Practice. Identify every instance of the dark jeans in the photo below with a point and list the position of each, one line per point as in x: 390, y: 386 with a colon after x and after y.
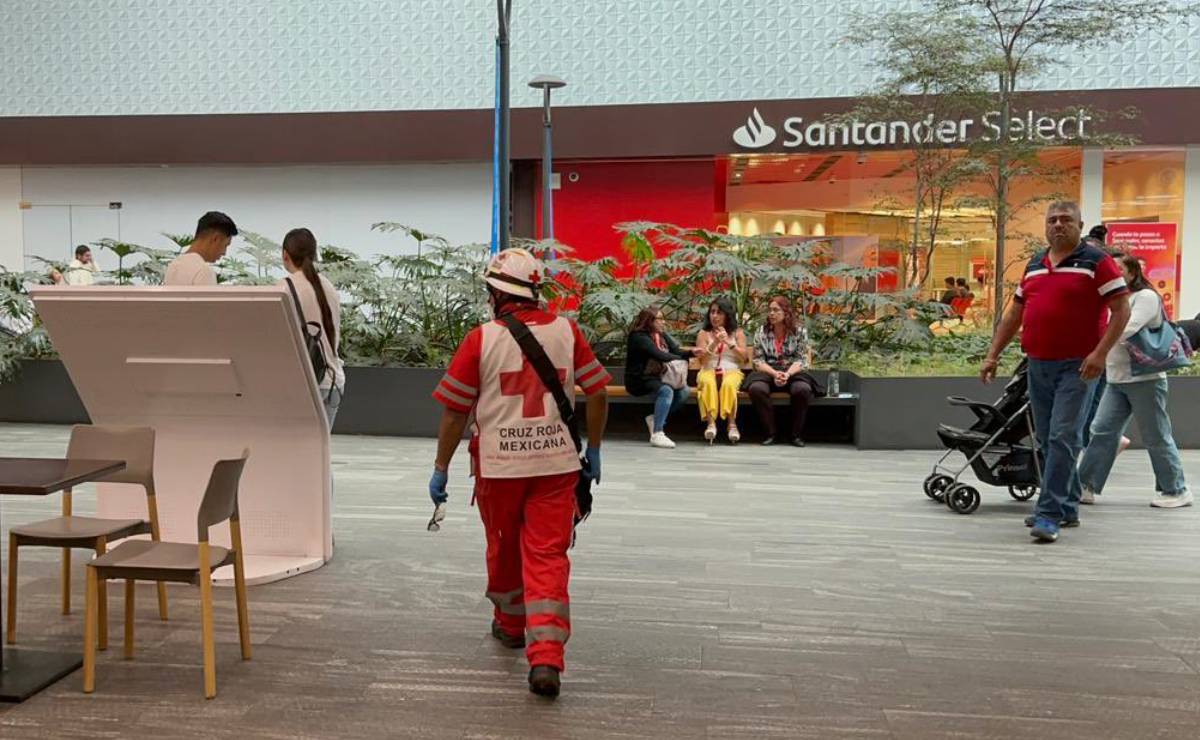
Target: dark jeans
x: 1092, y: 409
x: 1060, y: 398
x: 760, y: 388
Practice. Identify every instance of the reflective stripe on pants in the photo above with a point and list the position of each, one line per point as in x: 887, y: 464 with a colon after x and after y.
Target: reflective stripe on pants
x: 528, y: 523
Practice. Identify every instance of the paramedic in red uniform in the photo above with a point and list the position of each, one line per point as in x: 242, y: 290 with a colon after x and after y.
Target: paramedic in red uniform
x: 523, y: 459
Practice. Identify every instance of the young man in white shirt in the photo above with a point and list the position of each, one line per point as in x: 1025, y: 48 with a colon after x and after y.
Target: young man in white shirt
x: 214, y: 231
x: 82, y: 270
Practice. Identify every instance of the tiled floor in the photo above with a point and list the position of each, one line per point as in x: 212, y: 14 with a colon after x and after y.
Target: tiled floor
x: 718, y: 592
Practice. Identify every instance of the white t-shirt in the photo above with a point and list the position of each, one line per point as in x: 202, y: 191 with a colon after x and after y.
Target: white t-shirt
x: 312, y: 312
x: 78, y: 273
x: 189, y: 268
x: 1145, y: 309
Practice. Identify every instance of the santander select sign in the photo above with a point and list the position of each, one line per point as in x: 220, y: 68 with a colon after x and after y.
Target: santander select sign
x: 758, y: 134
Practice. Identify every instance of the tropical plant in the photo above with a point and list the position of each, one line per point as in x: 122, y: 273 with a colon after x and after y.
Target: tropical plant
x: 21, y: 335
x: 260, y: 257
x: 696, y: 265
x: 121, y: 250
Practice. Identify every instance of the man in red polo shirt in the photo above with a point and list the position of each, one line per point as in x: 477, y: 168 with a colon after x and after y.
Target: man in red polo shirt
x: 523, y: 459
x: 1058, y: 309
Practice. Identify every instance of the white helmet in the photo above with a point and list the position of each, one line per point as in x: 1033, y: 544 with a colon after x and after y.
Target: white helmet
x: 516, y: 272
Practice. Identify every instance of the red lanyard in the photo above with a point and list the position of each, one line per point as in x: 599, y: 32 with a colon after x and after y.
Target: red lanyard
x: 658, y: 342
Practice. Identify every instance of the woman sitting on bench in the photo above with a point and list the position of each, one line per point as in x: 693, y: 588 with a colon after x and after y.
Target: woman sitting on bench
x: 782, y: 357
x: 650, y: 348
x: 722, y: 350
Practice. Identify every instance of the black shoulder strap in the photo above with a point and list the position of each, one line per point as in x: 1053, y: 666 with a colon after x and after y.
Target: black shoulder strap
x: 299, y: 310
x: 536, y: 354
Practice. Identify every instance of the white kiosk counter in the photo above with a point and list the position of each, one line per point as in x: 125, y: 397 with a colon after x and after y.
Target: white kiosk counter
x: 213, y: 370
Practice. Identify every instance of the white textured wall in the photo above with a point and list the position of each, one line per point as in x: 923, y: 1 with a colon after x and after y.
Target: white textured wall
x: 122, y: 57
x: 339, y: 203
x: 11, y: 249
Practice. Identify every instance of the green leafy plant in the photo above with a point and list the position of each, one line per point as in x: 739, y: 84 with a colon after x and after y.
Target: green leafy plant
x: 21, y: 335
x: 122, y: 250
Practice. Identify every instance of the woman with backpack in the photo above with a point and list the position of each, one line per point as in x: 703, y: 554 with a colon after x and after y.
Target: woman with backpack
x: 320, y: 307
x: 1142, y: 397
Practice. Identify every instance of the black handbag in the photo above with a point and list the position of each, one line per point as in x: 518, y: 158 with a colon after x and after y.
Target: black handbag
x: 536, y: 354
x: 311, y: 331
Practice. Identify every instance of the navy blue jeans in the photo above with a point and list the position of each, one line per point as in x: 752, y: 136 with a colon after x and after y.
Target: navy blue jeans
x: 1061, y: 400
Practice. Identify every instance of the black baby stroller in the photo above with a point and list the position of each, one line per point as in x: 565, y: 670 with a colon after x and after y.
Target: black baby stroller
x: 999, y: 446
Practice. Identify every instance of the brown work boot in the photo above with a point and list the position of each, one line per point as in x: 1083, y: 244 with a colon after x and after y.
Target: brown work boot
x: 544, y: 681
x: 507, y: 640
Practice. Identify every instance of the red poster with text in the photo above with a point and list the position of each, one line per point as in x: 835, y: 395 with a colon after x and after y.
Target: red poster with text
x: 1156, y: 246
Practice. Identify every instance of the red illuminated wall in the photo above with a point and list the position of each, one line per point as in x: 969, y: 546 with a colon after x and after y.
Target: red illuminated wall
x: 608, y: 193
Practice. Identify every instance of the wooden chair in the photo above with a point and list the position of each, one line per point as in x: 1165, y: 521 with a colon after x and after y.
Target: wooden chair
x: 134, y: 445
x: 141, y: 560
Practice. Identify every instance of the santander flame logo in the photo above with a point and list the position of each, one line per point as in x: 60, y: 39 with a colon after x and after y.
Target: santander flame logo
x: 755, y: 134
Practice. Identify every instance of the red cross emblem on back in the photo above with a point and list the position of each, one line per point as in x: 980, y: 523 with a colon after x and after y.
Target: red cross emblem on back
x: 526, y: 383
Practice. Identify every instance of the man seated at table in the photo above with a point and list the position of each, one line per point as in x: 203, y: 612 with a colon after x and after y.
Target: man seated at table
x: 213, y: 233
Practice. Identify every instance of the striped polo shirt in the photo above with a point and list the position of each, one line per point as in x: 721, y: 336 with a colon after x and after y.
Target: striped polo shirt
x: 1066, y: 304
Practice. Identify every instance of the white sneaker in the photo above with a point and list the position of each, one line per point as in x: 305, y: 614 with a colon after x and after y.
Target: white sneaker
x: 1088, y: 496
x: 650, y: 425
x: 1172, y: 502
x: 662, y: 441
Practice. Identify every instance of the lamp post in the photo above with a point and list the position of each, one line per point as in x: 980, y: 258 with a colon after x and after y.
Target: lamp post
x: 546, y: 83
x: 502, y: 166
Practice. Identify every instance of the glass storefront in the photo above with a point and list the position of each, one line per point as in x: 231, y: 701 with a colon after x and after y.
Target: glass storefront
x: 1143, y: 209
x: 864, y: 203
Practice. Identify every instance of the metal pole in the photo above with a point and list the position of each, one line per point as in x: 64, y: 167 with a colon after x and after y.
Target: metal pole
x: 547, y: 169
x: 504, y: 8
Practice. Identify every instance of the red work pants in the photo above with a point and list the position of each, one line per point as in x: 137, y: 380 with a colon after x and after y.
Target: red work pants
x: 529, y: 523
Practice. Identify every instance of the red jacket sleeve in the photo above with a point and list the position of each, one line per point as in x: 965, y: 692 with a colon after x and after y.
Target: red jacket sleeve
x: 459, y: 388
x: 590, y: 375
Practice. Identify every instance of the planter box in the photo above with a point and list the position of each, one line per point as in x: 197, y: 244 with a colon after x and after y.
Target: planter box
x: 903, y: 413
x: 41, y: 394
x: 390, y: 401
x: 890, y: 413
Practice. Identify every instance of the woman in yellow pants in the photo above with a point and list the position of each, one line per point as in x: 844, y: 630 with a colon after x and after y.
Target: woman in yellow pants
x: 721, y: 348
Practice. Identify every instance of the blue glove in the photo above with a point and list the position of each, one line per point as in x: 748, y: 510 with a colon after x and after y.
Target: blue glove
x: 437, y: 486
x: 593, y: 457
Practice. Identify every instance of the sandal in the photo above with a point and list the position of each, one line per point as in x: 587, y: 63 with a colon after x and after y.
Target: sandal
x: 734, y: 435
x: 710, y: 433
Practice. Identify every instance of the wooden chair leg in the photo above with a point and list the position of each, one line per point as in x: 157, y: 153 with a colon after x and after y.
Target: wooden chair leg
x: 11, y: 634
x: 156, y: 536
x: 66, y: 580
x: 206, y: 621
x: 162, y: 601
x: 90, y: 608
x: 239, y: 589
x: 130, y: 595
x: 102, y: 598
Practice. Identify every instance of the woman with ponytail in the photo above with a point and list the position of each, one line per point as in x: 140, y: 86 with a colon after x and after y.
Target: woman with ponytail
x: 320, y: 305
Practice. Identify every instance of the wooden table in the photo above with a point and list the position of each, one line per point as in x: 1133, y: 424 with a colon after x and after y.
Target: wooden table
x: 23, y: 673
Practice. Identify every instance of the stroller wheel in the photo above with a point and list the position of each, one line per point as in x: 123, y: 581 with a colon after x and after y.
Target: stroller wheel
x: 935, y: 486
x: 1022, y: 493
x: 962, y: 498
